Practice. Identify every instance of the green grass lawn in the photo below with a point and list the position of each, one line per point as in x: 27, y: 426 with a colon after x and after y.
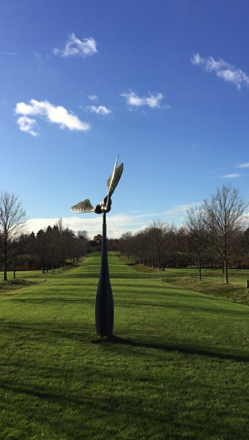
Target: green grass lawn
x: 176, y: 369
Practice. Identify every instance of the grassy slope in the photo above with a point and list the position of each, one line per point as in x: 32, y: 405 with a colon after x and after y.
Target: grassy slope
x: 178, y: 368
x: 212, y: 281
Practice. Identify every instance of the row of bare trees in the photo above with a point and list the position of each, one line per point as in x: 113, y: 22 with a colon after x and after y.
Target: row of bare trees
x: 48, y: 248
x: 213, y: 232
x: 52, y: 247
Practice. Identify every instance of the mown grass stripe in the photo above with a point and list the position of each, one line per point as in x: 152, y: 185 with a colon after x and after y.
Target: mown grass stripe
x: 176, y: 369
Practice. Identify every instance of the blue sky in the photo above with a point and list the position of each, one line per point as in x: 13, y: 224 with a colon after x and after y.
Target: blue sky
x: 162, y: 83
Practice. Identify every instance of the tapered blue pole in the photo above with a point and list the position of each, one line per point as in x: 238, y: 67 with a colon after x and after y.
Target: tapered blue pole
x: 104, y: 309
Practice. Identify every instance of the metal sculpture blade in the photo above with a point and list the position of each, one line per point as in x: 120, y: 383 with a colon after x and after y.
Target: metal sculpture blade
x: 82, y: 207
x: 113, y: 180
x: 105, y: 205
x: 112, y: 183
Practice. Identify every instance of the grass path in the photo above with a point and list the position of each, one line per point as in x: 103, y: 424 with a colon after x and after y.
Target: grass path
x: 177, y: 369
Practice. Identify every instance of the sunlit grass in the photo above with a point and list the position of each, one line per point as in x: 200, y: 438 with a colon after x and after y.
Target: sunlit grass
x: 176, y: 369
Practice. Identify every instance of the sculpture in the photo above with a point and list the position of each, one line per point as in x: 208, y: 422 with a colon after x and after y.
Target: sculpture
x: 104, y: 309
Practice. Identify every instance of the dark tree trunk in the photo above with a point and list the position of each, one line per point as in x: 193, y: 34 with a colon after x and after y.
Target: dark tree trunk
x: 199, y: 268
x: 14, y: 269
x: 5, y: 261
x: 225, y: 272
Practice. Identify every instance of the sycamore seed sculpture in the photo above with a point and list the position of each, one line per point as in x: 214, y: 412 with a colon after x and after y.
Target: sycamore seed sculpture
x: 104, y: 309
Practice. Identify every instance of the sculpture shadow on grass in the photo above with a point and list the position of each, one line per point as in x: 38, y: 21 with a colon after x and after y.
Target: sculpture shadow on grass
x: 114, y: 340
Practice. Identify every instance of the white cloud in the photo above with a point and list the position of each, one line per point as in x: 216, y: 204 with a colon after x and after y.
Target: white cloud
x: 116, y: 224
x: 100, y: 110
x: 243, y: 165
x: 93, y: 97
x: 55, y: 114
x: 75, y: 47
x: 26, y: 124
x: 230, y: 176
x: 222, y: 69
x: 153, y: 101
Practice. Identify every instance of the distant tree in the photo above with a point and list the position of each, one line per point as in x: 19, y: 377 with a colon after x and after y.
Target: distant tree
x: 32, y: 247
x: 125, y: 245
x: 239, y: 254
x: 155, y: 243
x: 69, y: 239
x: 181, y: 247
x: 159, y: 243
x: 17, y: 251
x: 83, y: 235
x: 97, y: 238
x: 224, y: 218
x: 61, y: 242
x: 140, y: 242
x: 12, y: 220
x: 42, y: 249
x: 245, y: 246
x: 197, y: 233
x: 112, y: 244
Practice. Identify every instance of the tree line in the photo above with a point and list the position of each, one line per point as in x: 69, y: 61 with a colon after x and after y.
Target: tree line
x: 214, y: 234
x: 49, y: 248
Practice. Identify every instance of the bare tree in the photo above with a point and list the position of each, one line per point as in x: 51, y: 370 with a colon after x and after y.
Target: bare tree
x: 126, y: 244
x: 155, y: 243
x: 196, y: 229
x: 224, y: 217
x: 158, y: 244
x: 12, y: 219
x: 181, y: 247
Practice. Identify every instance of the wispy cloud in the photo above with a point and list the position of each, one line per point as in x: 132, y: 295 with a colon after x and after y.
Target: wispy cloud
x: 55, y: 114
x: 152, y: 101
x: 26, y: 124
x: 216, y: 170
x: 181, y: 210
x: 8, y: 53
x: 243, y: 165
x: 93, y: 97
x: 230, y: 176
x: 38, y: 56
x: 75, y: 47
x: 222, y: 69
x: 100, y: 110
